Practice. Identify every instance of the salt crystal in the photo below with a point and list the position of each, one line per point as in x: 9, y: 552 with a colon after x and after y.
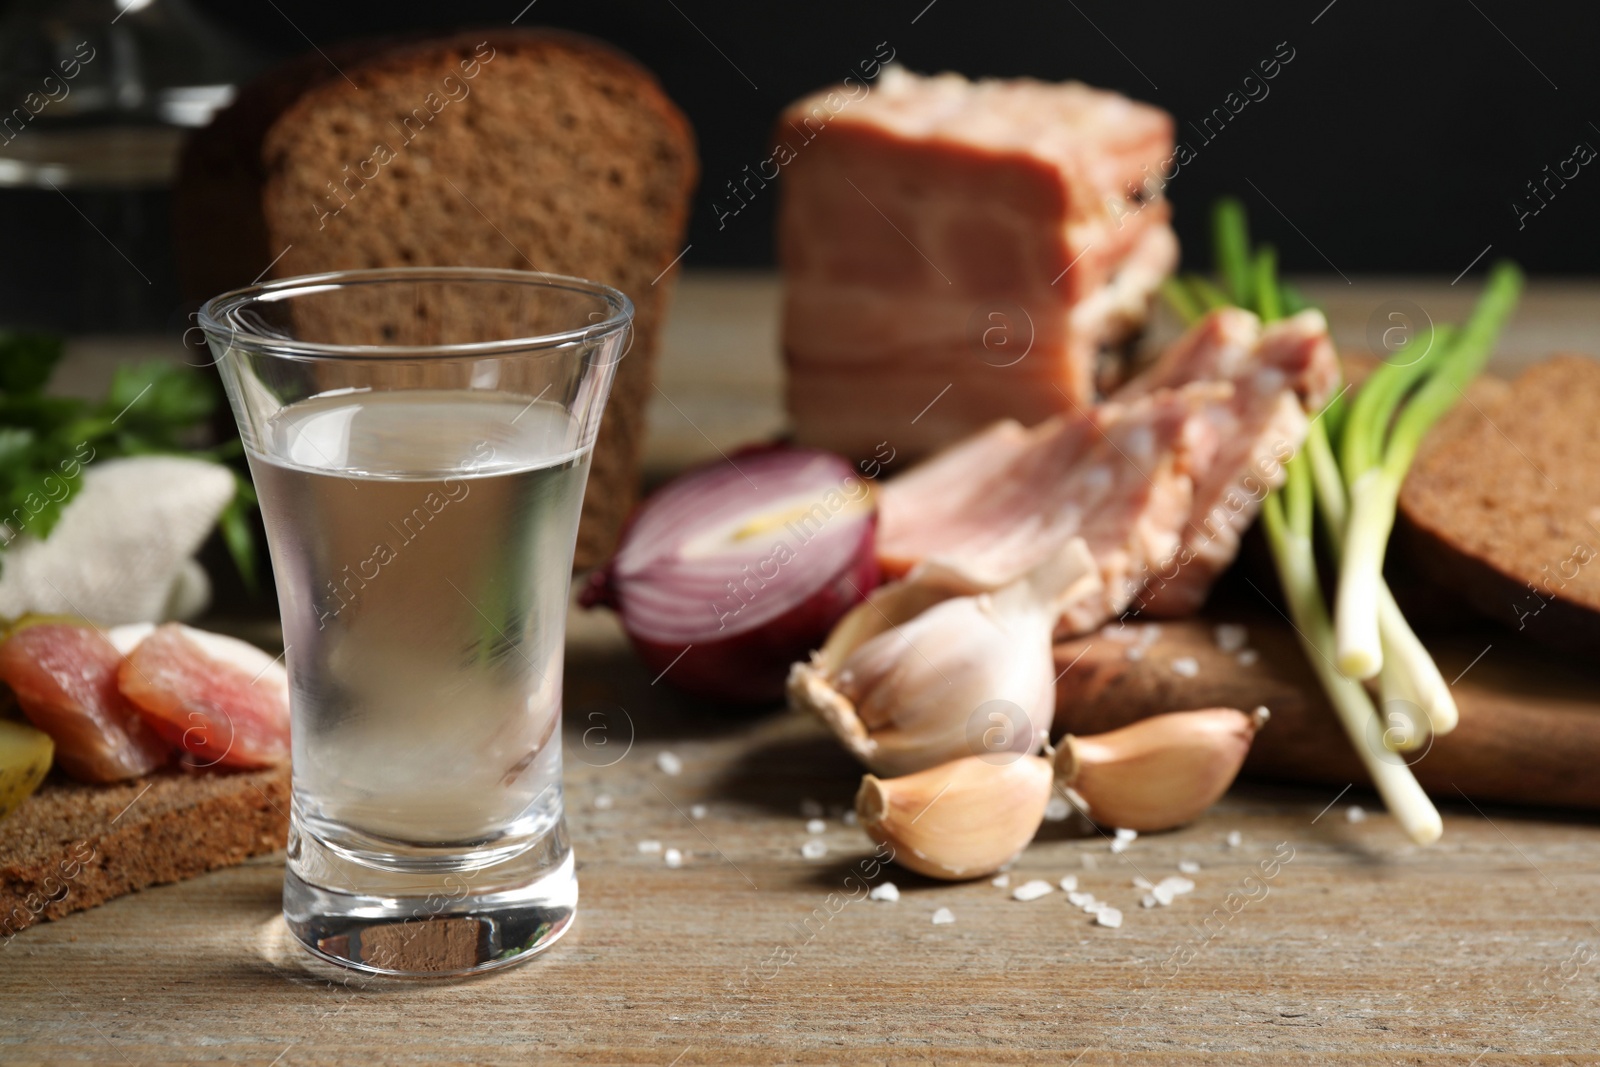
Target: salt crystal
x: 1057, y: 809
x: 849, y: 818
x: 1078, y: 900
x: 814, y: 849
x: 816, y: 826
x: 1187, y: 666
x: 1249, y: 657
x: 697, y: 811
x: 673, y: 858
x: 1135, y: 654
x: 1000, y: 881
x: 1188, y: 867
x: 1355, y: 813
x: 1150, y: 634
x: 1163, y: 894
x: 1122, y: 633
x: 1142, y: 882
x: 887, y: 891
x: 1068, y: 883
x: 1031, y: 890
x: 1125, y: 834
x: 1108, y: 917
x: 1230, y: 636
x: 810, y: 809
x: 649, y: 846
x: 1148, y: 900
x: 1119, y: 845
x: 942, y: 916
x: 603, y: 802
x: 1235, y: 839
x: 1093, y: 906
x: 1176, y: 884
x: 669, y: 764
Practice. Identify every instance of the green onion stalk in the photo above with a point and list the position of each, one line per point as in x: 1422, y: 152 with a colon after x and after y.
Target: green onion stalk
x: 1350, y: 470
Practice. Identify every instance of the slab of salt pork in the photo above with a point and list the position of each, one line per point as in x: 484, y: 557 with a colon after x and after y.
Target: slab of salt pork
x: 979, y: 247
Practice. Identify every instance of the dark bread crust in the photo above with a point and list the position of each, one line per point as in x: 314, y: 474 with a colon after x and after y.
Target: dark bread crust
x: 562, y: 155
x: 72, y: 846
x: 1478, y: 516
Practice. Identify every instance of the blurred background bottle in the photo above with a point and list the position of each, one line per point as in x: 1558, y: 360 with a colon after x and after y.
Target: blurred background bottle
x: 95, y: 98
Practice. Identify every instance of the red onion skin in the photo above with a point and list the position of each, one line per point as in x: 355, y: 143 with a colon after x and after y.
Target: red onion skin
x: 749, y: 667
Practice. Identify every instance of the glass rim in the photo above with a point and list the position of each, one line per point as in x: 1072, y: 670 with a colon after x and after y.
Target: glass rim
x: 215, y: 314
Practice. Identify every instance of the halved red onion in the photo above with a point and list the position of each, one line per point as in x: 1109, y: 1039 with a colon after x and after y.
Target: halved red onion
x: 731, y: 572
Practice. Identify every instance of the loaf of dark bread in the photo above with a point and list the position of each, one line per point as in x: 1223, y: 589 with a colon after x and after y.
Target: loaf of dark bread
x: 71, y: 846
x: 1503, y: 504
x: 524, y: 149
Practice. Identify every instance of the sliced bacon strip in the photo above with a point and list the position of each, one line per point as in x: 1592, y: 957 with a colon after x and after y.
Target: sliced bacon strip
x: 65, y: 679
x: 1160, y: 482
x: 224, y: 702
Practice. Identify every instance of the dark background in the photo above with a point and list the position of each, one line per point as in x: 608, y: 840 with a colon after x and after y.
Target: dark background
x: 1397, y: 138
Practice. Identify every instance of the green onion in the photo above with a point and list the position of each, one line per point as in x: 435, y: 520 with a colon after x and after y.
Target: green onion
x: 1375, y: 488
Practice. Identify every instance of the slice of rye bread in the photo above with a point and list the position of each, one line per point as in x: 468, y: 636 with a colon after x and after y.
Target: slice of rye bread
x: 72, y: 846
x: 1502, y: 506
x: 524, y: 149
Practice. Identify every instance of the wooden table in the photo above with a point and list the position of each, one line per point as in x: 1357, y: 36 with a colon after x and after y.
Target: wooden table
x: 1359, y: 949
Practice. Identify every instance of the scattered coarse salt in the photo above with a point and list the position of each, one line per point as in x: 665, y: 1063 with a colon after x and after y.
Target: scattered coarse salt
x: 1142, y: 882
x: 1148, y: 900
x: 697, y: 811
x: 814, y: 849
x: 1068, y: 883
x: 1150, y: 633
x: 888, y: 891
x: 849, y: 818
x: 1119, y: 844
x: 943, y: 916
x: 1235, y: 839
x: 1108, y: 916
x: 816, y: 826
x: 1176, y: 884
x: 1031, y: 890
x: 1249, y: 657
x: 673, y: 858
x: 1057, y: 809
x: 1230, y: 636
x: 1187, y: 666
x: 1078, y: 900
x: 1163, y: 894
x: 1125, y: 834
x: 1000, y: 881
x: 1121, y: 633
x: 603, y: 802
x: 810, y: 809
x: 1135, y: 654
x: 669, y: 764
x: 649, y: 846
x: 1355, y: 813
x: 1188, y: 867
x: 1093, y: 906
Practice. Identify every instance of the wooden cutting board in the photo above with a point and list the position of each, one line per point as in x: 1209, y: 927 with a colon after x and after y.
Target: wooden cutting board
x: 1530, y: 719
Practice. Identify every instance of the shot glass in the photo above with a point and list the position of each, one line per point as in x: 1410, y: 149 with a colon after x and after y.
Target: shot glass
x: 420, y: 441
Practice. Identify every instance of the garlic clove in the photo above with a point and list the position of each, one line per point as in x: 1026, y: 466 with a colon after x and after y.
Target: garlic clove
x: 1160, y: 772
x: 962, y: 819
x: 916, y: 675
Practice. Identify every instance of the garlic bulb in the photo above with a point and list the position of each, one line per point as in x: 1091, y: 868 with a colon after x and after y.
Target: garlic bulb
x: 917, y: 676
x: 962, y: 819
x: 1159, y: 772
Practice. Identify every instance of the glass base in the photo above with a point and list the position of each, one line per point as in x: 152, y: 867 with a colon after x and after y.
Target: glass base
x: 427, y: 920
